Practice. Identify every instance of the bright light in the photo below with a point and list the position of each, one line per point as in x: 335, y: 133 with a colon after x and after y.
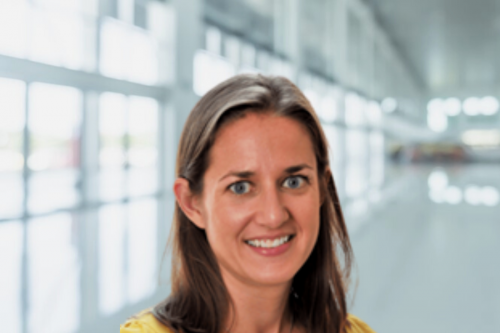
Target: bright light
x: 438, y: 180
x: 436, y: 196
x: 453, y: 195
x: 374, y: 113
x: 437, y: 121
x: 452, y: 107
x: 389, y: 105
x: 472, y: 106
x: 473, y: 195
x: 435, y: 105
x: 489, y: 106
x: 490, y: 196
x: 484, y: 138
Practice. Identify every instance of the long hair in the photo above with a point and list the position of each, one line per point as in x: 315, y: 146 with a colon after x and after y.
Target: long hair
x: 199, y: 301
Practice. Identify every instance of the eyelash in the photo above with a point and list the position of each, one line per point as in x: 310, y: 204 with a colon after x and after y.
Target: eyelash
x: 305, y: 178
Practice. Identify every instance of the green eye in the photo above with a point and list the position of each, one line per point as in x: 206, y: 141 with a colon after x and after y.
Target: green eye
x: 294, y: 182
x: 240, y: 187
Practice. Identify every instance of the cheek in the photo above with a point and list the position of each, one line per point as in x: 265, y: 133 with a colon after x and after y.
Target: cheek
x: 307, y: 214
x: 225, y: 221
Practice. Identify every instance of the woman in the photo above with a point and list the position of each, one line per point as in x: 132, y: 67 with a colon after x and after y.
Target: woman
x: 259, y: 240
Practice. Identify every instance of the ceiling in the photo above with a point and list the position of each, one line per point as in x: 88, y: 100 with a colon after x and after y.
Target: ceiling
x: 453, y: 46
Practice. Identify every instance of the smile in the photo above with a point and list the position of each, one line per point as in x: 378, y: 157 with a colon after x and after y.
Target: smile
x: 269, y: 243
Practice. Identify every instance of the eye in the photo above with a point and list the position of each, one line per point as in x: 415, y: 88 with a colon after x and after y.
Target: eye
x: 294, y: 182
x: 240, y: 187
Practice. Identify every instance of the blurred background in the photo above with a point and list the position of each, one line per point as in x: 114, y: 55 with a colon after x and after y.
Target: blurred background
x: 93, y: 97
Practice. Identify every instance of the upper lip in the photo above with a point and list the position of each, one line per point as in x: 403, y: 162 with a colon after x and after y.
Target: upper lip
x: 270, y: 236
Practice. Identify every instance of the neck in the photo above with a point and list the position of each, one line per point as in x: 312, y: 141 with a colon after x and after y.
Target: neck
x: 257, y: 308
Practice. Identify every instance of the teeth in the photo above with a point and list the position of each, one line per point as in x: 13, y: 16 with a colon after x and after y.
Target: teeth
x: 269, y: 243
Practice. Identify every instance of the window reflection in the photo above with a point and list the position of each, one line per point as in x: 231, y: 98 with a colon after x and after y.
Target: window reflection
x: 11, y: 247
x: 111, y: 259
x: 142, y: 181
x: 54, y: 124
x: 11, y: 194
x: 111, y: 184
x: 56, y: 32
x: 141, y: 250
x: 66, y: 5
x: 12, y: 115
x: 112, y: 129
x: 143, y: 123
x: 53, y: 189
x: 142, y: 153
x: 14, y: 27
x: 127, y: 254
x: 128, y: 53
x: 54, y: 285
x: 112, y: 109
x: 209, y: 70
x: 57, y: 38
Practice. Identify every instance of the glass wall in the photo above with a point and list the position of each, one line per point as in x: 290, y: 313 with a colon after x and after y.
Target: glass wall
x: 81, y: 104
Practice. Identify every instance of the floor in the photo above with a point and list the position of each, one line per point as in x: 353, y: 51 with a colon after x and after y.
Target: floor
x: 429, y: 260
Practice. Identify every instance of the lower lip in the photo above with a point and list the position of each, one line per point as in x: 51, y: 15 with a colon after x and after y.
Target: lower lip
x: 271, y: 252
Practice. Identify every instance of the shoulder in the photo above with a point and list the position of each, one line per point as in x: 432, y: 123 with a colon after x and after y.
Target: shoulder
x: 144, y: 322
x: 357, y: 325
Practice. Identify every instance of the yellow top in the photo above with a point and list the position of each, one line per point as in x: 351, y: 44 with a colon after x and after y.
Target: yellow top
x: 145, y: 322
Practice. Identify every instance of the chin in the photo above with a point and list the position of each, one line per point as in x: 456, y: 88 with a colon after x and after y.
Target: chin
x: 272, y: 277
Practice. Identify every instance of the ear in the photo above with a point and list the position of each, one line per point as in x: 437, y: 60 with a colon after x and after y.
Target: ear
x: 188, y: 202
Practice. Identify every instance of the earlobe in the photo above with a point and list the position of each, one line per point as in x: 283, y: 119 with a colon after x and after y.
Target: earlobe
x: 188, y: 202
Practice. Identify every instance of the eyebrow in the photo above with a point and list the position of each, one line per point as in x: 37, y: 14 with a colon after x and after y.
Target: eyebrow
x: 248, y: 173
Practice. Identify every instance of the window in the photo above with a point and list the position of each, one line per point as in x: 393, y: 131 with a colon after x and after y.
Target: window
x: 54, y: 293
x: 11, y: 249
x: 80, y: 156
x: 12, y: 113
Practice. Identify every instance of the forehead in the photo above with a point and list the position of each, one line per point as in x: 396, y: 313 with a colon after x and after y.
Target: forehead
x: 261, y: 141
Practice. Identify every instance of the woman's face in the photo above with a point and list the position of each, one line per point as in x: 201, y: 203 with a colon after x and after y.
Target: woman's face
x: 261, y: 200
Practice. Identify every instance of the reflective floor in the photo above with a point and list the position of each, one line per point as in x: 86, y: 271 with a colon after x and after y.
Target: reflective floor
x: 427, y: 251
x: 429, y: 260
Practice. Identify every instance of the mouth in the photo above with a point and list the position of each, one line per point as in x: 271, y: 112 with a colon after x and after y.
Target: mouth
x: 269, y: 243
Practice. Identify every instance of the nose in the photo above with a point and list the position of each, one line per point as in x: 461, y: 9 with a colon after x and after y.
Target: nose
x: 272, y: 213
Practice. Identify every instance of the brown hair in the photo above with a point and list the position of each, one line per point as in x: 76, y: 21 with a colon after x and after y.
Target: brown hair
x: 199, y: 301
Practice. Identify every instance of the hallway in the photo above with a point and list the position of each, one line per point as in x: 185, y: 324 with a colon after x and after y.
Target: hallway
x: 430, y: 267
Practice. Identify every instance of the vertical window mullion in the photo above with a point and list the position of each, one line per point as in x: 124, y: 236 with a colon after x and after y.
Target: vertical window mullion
x: 26, y: 175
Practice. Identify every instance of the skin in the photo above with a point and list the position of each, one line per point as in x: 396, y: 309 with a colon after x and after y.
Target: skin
x: 268, y: 202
